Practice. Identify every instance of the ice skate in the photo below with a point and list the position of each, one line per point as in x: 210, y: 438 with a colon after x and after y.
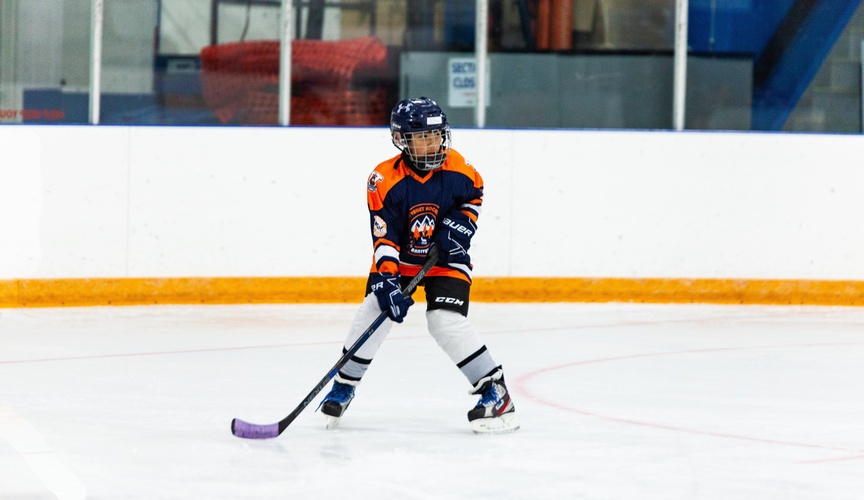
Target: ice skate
x: 337, y: 400
x: 495, y: 412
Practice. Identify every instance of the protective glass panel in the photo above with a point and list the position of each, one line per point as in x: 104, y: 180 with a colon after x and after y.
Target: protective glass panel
x: 778, y: 65
x: 159, y: 65
x: 228, y: 72
x: 561, y: 64
x: 775, y: 65
x: 44, y: 61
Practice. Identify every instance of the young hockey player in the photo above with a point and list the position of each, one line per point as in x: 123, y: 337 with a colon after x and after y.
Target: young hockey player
x: 426, y: 194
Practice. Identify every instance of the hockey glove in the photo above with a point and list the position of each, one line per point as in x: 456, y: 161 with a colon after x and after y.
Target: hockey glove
x: 385, y: 286
x: 454, y: 238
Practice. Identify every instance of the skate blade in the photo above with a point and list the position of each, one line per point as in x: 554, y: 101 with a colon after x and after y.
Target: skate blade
x: 331, y: 422
x: 496, y: 425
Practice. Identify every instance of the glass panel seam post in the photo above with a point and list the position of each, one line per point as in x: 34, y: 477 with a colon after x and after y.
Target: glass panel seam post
x: 11, y: 93
x: 480, y: 52
x: 285, y: 36
x: 680, y: 72
x: 96, y: 20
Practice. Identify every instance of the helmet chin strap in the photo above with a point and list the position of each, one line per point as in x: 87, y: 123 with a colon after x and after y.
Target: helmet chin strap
x: 406, y: 157
x: 419, y: 163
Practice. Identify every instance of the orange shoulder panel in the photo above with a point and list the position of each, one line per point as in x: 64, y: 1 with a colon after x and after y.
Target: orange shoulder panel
x: 457, y: 163
x: 381, y: 180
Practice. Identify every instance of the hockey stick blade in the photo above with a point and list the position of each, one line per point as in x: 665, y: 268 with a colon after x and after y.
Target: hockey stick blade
x: 247, y: 430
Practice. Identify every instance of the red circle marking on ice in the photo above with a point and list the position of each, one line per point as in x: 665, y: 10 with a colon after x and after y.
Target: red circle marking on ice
x: 521, y: 385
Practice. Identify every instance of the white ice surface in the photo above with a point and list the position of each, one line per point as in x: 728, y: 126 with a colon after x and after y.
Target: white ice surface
x: 616, y: 401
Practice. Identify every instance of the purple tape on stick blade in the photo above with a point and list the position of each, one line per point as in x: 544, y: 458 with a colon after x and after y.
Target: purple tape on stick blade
x: 252, y: 431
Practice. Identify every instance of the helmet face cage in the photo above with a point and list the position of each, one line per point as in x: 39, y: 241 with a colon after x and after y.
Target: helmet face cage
x: 424, y: 160
x: 412, y: 123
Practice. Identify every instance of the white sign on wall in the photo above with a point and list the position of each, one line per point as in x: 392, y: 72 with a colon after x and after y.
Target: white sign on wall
x: 462, y: 82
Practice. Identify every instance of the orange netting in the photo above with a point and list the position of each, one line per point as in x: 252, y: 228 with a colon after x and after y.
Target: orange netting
x: 240, y: 82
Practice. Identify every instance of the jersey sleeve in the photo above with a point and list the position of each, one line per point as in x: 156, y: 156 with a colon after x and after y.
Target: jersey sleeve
x: 385, y: 223
x: 473, y: 203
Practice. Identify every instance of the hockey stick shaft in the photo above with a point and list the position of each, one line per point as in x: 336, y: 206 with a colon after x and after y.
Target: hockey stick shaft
x: 248, y: 430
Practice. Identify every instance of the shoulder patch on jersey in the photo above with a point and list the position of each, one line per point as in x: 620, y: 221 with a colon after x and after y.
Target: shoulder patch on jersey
x: 374, y: 178
x: 379, y: 227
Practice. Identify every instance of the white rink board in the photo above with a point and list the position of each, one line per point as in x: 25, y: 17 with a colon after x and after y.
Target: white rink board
x: 259, y: 201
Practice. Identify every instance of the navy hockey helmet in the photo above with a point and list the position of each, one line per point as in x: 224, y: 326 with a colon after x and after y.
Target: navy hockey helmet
x: 419, y: 129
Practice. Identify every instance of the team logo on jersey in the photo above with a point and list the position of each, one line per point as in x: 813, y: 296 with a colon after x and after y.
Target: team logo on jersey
x: 379, y: 227
x: 372, y: 183
x: 421, y: 223
x: 423, y: 227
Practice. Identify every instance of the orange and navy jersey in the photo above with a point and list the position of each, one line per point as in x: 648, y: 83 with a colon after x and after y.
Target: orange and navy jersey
x: 405, y: 208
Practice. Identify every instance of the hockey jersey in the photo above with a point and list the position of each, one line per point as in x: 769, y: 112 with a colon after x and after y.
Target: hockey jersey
x: 405, y: 208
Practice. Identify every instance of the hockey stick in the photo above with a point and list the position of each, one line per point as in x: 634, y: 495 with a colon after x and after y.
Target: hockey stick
x: 248, y: 430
